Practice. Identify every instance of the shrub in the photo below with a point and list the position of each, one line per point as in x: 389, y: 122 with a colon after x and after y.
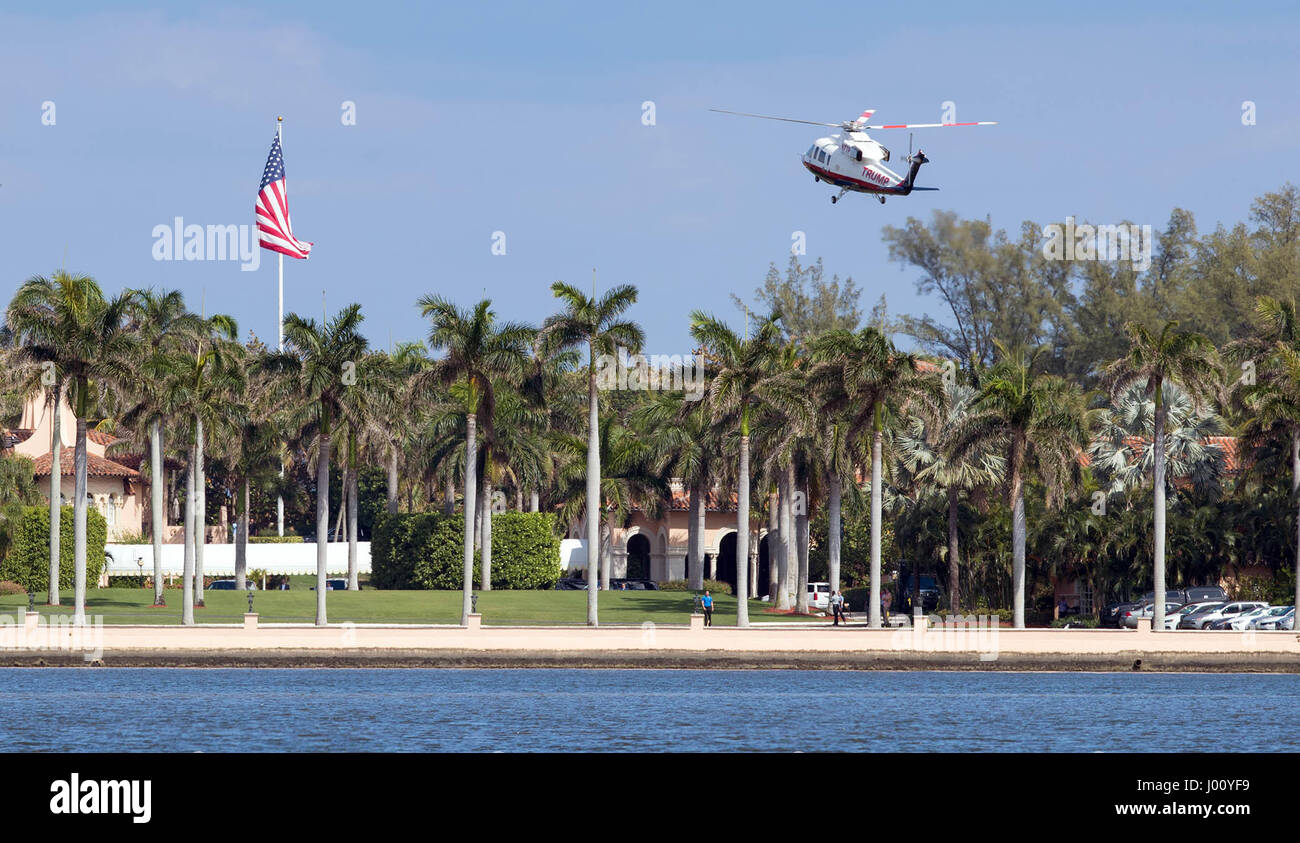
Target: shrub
x: 420, y: 550
x: 1076, y: 621
x: 525, y: 550
x: 1003, y: 615
x: 275, y: 539
x: 7, y: 587
x: 28, y: 560
x: 715, y: 586
x: 133, y: 538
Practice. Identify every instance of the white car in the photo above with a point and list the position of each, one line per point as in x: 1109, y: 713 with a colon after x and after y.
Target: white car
x: 1229, y: 610
x: 1252, y: 619
x: 819, y: 595
x: 1285, y: 620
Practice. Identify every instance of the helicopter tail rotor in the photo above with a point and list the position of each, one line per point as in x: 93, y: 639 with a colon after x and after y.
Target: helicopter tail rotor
x: 916, y: 161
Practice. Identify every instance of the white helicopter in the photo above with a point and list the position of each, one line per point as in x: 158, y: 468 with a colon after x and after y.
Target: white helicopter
x: 853, y: 161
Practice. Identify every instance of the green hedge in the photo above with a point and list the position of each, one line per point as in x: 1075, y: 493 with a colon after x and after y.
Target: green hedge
x: 28, y: 560
x: 275, y: 539
x: 419, y: 550
x: 714, y: 586
x: 525, y: 550
x: 427, y: 550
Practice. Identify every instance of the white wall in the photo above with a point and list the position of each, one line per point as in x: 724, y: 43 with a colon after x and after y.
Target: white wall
x: 219, y: 559
x: 573, y: 555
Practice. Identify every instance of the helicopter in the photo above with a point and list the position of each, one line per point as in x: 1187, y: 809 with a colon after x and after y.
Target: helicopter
x: 852, y: 161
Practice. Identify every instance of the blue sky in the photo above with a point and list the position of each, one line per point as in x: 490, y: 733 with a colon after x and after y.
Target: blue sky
x: 526, y: 119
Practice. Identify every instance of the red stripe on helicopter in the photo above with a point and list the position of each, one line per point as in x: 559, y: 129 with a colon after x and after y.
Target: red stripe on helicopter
x: 870, y: 185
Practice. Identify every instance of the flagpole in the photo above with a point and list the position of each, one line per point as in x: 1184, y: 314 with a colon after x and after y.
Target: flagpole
x: 279, y: 330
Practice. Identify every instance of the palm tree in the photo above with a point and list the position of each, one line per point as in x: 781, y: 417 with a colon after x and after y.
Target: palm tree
x: 317, y: 360
x: 1037, y: 421
x: 477, y: 350
x: 1273, y: 400
x: 161, y: 321
x: 597, y: 323
x: 864, y: 375
x: 925, y: 451
x: 743, y: 378
x: 66, y: 320
x: 1178, y: 357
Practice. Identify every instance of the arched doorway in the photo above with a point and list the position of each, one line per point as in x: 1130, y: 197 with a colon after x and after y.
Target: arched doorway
x: 638, y: 557
x: 764, y: 569
x: 727, y: 560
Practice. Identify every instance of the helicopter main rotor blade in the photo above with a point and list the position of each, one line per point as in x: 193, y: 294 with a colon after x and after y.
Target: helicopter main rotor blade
x: 769, y: 117
x: 931, y: 125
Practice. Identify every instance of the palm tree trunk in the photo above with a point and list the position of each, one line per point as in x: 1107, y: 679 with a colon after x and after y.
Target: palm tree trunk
x: 801, y: 551
x: 1158, y: 555
x: 742, y: 535
x: 56, y: 495
x: 485, y: 549
x: 471, y: 487
x: 953, y: 601
x: 593, y: 487
x: 833, y: 518
x: 187, y: 534
x: 449, y: 496
x: 159, y: 517
x: 354, y: 583
x: 392, y: 482
x: 786, y: 587
x: 322, y: 521
x: 606, y: 552
x: 1017, y: 548
x: 200, y: 511
x: 695, y: 538
x: 773, y: 538
x: 343, y: 501
x: 1295, y: 493
x: 79, y: 525
x: 534, y: 501
x: 877, y: 443
x: 241, y: 543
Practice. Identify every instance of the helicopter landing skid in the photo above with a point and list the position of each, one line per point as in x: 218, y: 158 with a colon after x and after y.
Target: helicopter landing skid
x: 843, y: 190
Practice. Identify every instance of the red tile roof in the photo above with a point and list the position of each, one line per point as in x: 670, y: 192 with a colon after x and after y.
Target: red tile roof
x: 95, y: 467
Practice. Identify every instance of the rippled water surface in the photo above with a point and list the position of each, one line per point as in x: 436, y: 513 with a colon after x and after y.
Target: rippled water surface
x: 128, y: 709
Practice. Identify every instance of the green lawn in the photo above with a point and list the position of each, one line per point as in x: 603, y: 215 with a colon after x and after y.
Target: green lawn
x: 132, y: 606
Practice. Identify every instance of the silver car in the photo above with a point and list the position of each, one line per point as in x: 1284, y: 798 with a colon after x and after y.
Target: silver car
x: 1149, y: 611
x: 1229, y: 610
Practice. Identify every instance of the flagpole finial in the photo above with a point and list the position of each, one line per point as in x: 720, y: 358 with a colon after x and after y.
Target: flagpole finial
x: 279, y: 119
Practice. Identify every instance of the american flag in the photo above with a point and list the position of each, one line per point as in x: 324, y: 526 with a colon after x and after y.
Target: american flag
x: 273, y: 226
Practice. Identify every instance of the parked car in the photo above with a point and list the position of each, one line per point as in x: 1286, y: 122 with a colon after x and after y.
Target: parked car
x: 907, y: 586
x: 229, y: 585
x: 1148, y: 611
x: 1113, y: 614
x: 1205, y: 594
x: 571, y: 584
x: 1285, y: 620
x: 1229, y: 610
x: 1248, y: 620
x: 632, y: 585
x: 1172, y: 619
x: 1192, y: 620
x: 819, y: 595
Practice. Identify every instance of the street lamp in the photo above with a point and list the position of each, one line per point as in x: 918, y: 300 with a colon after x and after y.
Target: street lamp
x: 139, y: 562
x: 473, y: 602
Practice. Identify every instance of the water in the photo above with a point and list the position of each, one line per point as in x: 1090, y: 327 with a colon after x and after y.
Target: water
x: 265, y: 710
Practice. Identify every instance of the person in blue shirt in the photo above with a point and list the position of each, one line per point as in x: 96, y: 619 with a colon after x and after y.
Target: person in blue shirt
x: 706, y: 602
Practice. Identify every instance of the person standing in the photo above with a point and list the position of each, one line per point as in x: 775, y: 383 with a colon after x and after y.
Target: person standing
x: 837, y: 608
x: 706, y: 603
x: 886, y: 600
